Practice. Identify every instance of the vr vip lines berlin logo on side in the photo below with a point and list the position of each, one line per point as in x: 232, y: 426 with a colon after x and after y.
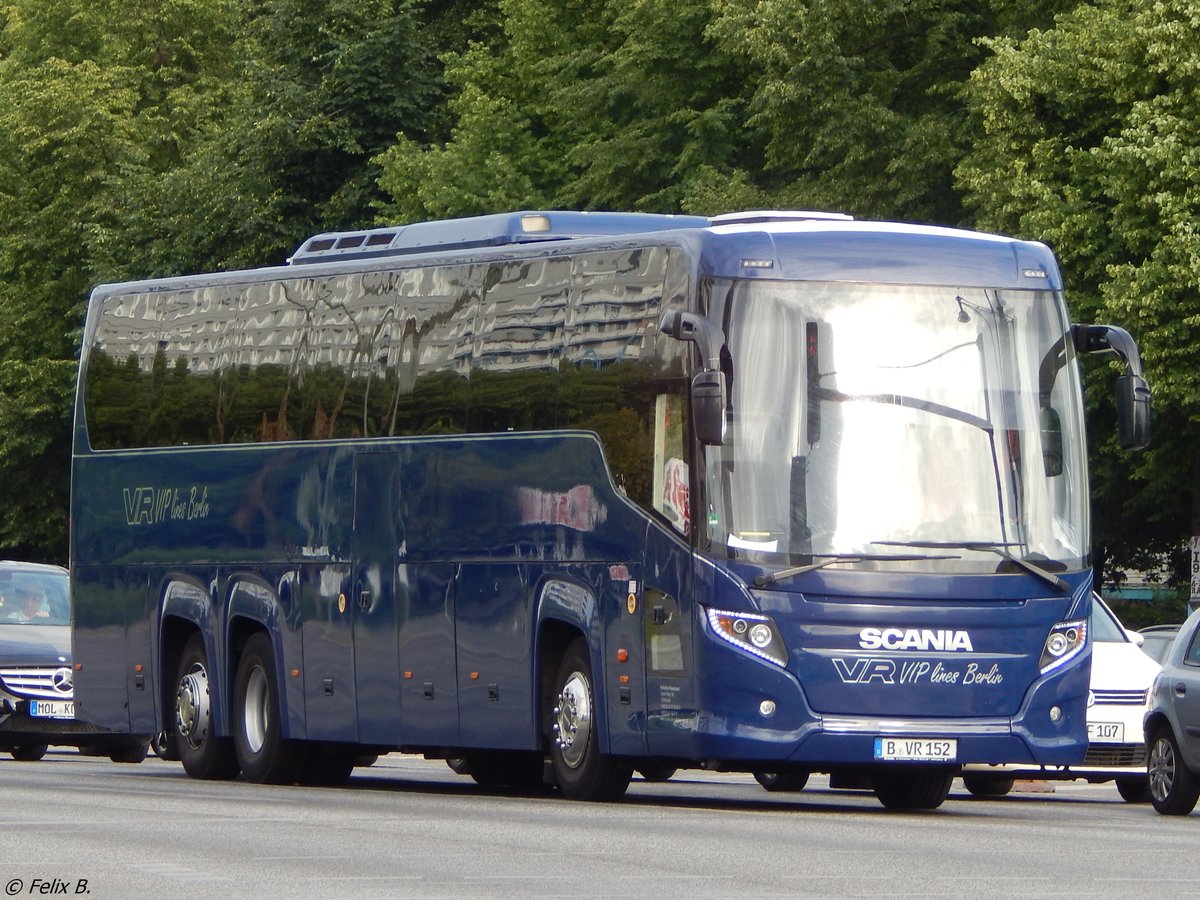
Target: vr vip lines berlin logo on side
x: 151, y: 506
x: 867, y: 669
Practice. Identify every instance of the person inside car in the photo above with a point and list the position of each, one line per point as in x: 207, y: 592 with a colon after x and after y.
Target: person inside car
x: 29, y: 606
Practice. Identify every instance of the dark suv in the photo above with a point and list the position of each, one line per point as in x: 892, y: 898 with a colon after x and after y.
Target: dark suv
x: 37, y: 706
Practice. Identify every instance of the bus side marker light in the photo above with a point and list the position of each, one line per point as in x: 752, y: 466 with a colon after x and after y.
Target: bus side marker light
x: 408, y: 674
x: 766, y: 708
x: 622, y: 655
x: 295, y: 673
x: 1055, y: 714
x: 624, y: 679
x: 138, y: 667
x: 474, y: 676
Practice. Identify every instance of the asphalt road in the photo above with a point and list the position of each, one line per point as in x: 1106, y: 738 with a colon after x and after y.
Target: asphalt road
x: 407, y: 827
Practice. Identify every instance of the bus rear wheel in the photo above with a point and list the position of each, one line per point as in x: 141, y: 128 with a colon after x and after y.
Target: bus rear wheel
x: 981, y: 785
x: 782, y: 782
x: 29, y: 752
x: 912, y: 787
x: 203, y: 753
x: 264, y: 755
x: 582, y: 771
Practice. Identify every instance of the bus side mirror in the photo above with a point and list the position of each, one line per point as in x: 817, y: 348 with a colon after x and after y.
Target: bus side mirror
x: 708, y: 387
x: 1133, y: 411
x: 1133, y: 393
x: 708, y: 407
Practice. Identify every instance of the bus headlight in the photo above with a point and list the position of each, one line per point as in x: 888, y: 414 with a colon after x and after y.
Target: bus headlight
x: 752, y: 632
x: 1064, y: 642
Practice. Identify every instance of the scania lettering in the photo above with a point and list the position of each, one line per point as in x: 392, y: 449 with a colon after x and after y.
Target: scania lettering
x: 569, y: 495
x: 913, y: 639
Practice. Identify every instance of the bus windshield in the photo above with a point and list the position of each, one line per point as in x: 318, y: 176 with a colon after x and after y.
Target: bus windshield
x: 897, y: 427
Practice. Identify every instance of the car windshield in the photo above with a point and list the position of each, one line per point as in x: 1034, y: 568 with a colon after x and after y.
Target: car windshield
x: 34, y: 597
x: 1105, y: 625
x: 870, y: 420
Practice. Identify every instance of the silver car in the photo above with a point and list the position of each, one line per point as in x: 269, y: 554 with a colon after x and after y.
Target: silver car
x: 37, y: 708
x: 1173, y: 725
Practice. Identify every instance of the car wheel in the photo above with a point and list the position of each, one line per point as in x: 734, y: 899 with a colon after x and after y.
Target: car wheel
x: 987, y: 785
x: 1134, y: 788
x: 29, y: 752
x: 1173, y: 789
x: 782, y: 782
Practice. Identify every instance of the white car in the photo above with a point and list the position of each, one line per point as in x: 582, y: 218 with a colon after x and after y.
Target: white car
x: 1122, y: 676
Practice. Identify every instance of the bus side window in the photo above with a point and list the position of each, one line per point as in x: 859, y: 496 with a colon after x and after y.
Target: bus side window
x: 672, y: 478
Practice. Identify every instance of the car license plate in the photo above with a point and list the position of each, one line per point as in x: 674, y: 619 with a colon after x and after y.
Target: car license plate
x: 52, y: 709
x: 1110, y: 732
x: 923, y: 749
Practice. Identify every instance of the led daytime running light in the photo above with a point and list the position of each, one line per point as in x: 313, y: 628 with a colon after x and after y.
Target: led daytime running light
x: 746, y: 632
x: 1065, y: 641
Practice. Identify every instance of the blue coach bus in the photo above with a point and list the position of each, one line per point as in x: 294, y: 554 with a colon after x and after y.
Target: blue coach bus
x: 568, y: 495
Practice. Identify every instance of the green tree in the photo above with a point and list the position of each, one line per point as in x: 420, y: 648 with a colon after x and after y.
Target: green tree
x: 1087, y: 140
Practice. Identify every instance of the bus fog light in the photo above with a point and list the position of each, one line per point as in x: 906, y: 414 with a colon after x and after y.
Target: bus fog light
x: 1055, y: 714
x: 767, y: 708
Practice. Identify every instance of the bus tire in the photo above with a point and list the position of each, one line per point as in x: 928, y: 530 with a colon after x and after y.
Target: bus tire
x: 581, y: 770
x: 29, y: 752
x: 1173, y: 789
x: 327, y: 767
x: 782, y: 782
x: 204, y: 755
x: 131, y: 754
x: 1134, y: 788
x: 262, y: 752
x: 912, y: 787
x: 656, y: 772
x: 980, y: 785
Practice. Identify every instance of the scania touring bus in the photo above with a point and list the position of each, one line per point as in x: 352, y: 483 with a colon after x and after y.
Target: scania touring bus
x: 560, y: 495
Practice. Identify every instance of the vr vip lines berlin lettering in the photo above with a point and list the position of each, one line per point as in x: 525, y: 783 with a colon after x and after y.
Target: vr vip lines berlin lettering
x: 152, y: 506
x: 867, y: 669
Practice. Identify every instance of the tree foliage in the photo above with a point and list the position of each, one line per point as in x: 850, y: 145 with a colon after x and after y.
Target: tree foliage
x: 141, y: 139
x: 1087, y: 140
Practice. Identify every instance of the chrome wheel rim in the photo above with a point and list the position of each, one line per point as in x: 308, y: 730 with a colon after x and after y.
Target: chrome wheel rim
x: 573, y: 719
x: 254, y: 715
x: 192, y: 706
x: 1161, y: 769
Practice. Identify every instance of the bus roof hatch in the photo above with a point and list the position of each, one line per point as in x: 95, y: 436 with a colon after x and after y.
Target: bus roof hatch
x: 482, y: 231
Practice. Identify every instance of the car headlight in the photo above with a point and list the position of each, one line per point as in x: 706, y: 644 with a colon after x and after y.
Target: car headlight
x: 1065, y: 641
x: 752, y: 632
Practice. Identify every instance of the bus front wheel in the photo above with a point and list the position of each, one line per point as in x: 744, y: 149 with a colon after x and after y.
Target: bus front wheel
x: 583, y: 772
x: 912, y: 787
x: 203, y: 753
x: 264, y: 755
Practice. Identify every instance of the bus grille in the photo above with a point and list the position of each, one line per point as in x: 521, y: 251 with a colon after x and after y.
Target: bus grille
x: 1109, y: 755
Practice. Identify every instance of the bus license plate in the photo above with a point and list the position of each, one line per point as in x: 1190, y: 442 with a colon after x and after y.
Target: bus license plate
x: 52, y: 709
x: 923, y: 749
x: 1106, y: 732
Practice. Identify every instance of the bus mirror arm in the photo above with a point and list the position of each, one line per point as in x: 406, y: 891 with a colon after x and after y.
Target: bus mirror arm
x: 708, y: 387
x: 1132, y: 391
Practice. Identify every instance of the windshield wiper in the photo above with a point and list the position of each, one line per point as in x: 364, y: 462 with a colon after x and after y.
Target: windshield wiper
x: 829, y: 559
x: 1000, y: 548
